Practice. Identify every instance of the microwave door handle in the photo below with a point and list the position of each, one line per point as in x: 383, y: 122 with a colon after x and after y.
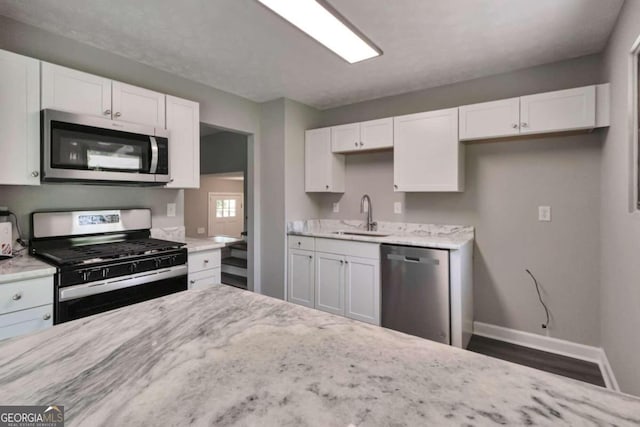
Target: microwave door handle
x: 154, y: 155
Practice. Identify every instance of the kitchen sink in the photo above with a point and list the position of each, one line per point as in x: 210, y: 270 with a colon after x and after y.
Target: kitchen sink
x: 362, y: 233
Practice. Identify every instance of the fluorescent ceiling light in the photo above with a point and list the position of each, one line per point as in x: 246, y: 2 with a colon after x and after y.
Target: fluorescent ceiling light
x: 318, y: 22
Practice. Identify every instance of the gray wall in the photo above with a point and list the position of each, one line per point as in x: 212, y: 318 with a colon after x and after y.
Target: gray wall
x: 273, y: 204
x: 25, y: 199
x: 223, y: 152
x: 505, y: 183
x: 620, y: 230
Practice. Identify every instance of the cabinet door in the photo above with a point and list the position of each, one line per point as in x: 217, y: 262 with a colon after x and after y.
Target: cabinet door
x: 70, y: 90
x: 19, y: 120
x: 362, y: 288
x: 26, y: 321
x: 563, y: 110
x: 204, y: 279
x: 490, y: 119
x: 427, y: 155
x: 183, y: 124
x: 376, y: 134
x: 345, y: 138
x: 323, y: 170
x: 137, y: 105
x: 330, y: 277
x: 301, y: 277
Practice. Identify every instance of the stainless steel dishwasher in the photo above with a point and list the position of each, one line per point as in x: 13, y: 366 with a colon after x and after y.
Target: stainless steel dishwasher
x: 415, y: 291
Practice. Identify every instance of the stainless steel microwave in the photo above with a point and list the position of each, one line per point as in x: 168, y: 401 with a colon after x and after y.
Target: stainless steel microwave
x: 87, y: 149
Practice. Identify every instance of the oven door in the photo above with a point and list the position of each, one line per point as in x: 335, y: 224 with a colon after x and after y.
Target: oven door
x: 85, y: 148
x: 84, y: 300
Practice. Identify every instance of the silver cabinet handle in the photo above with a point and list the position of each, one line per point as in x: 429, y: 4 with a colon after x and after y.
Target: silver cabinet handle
x: 515, y: 126
x: 47, y: 316
x: 117, y: 114
x: 35, y: 174
x: 206, y: 261
x: 361, y: 143
x: 17, y: 296
x: 107, y: 112
x: 524, y: 124
x: 341, y: 261
x: 192, y: 282
x: 310, y: 256
x: 395, y: 186
x: 356, y: 143
x: 327, y: 187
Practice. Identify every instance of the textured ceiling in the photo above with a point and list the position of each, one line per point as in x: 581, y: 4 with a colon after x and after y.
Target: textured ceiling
x: 241, y: 47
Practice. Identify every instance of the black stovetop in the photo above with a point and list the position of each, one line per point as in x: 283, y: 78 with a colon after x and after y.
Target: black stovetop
x: 105, y: 251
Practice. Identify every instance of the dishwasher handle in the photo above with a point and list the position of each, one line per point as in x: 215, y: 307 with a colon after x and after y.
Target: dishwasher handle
x: 412, y: 259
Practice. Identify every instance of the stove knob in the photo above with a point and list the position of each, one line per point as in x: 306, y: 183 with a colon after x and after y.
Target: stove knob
x: 133, y: 267
x: 85, y: 275
x: 158, y: 262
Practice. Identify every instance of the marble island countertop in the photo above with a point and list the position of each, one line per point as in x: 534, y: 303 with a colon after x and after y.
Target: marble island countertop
x: 23, y: 267
x: 423, y: 235
x: 222, y: 356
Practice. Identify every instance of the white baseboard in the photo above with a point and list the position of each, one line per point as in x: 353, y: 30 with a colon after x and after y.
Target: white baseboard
x: 551, y: 345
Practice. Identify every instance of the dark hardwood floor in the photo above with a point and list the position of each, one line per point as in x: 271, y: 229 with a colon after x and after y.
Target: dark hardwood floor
x: 550, y: 362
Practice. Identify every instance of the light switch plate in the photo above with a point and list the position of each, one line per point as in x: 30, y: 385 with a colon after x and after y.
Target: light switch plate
x: 336, y: 207
x: 171, y: 209
x: 397, y: 207
x: 544, y: 213
x: 200, y: 230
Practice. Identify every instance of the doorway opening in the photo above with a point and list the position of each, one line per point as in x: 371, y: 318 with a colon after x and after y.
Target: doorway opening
x: 218, y: 210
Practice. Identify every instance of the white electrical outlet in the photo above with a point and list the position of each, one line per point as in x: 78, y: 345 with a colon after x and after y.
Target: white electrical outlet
x: 171, y: 209
x: 397, y: 207
x: 336, y: 207
x: 544, y: 213
x: 200, y: 230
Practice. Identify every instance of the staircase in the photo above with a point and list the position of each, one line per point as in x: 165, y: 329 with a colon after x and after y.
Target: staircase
x: 234, y: 265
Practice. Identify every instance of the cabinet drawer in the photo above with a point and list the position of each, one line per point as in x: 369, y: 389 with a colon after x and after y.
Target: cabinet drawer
x: 302, y: 242
x: 26, y: 294
x: 204, y: 279
x: 26, y: 321
x: 350, y: 248
x: 205, y: 260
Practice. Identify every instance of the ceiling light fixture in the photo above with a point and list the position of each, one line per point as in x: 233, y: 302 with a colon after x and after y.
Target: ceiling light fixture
x: 320, y: 21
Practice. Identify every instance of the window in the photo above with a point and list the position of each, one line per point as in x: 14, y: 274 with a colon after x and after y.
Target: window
x: 225, y: 208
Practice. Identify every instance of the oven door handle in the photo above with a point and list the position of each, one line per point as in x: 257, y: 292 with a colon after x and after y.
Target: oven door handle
x: 94, y: 288
x: 153, y: 168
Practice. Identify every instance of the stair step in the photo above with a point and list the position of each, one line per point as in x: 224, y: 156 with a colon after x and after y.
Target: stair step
x: 235, y: 281
x: 236, y: 262
x: 242, y: 246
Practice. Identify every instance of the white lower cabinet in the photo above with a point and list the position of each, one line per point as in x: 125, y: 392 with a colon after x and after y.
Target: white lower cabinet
x: 204, y: 269
x: 339, y: 277
x: 301, y: 277
x: 330, y: 278
x: 362, y: 289
x: 26, y: 306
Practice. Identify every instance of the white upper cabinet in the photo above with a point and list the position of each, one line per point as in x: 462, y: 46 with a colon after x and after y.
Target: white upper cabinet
x: 73, y: 91
x: 345, y: 138
x: 490, y: 119
x: 563, y: 110
x: 19, y: 120
x: 371, y: 135
x: 324, y: 170
x: 138, y: 105
x: 183, y: 123
x: 376, y: 134
x: 427, y: 155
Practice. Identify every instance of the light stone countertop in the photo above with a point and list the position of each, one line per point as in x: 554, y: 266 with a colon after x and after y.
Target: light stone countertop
x: 199, y: 245
x: 23, y: 267
x: 222, y: 356
x: 423, y: 235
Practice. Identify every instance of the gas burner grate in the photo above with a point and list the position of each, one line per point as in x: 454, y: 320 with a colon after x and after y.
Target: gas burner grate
x: 105, y: 251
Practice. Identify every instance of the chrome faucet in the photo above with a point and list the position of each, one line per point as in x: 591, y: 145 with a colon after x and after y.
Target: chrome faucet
x: 371, y: 224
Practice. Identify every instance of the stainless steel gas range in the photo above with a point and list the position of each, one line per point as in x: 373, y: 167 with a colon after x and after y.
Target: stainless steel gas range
x: 105, y: 259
